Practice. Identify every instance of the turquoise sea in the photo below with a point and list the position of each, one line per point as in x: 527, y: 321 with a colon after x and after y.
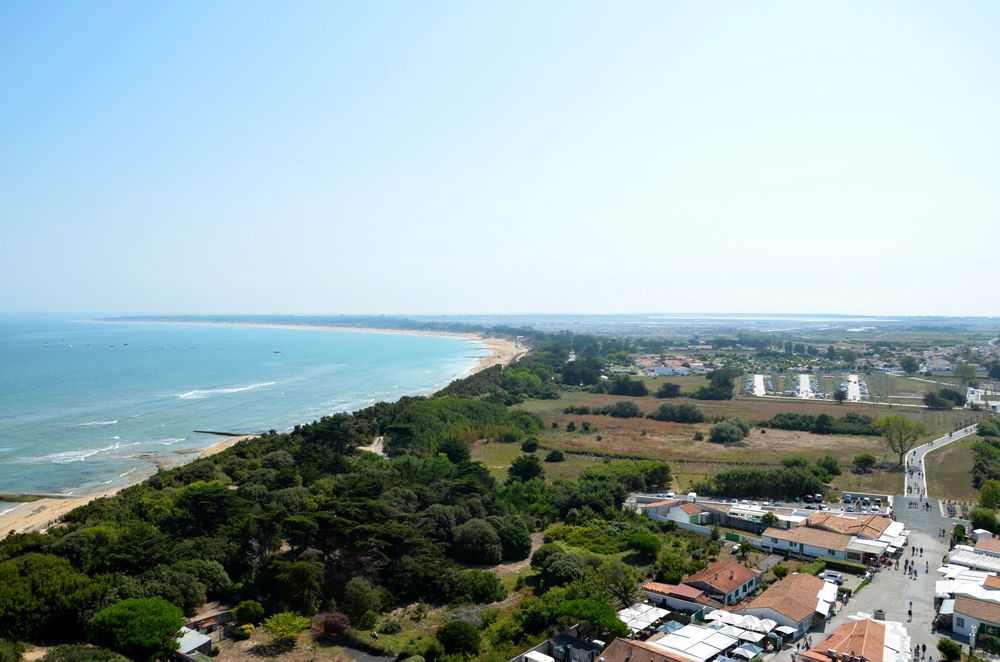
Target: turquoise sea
x: 86, y: 405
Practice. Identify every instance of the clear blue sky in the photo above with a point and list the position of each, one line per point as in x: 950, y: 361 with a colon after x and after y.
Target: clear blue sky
x: 428, y: 157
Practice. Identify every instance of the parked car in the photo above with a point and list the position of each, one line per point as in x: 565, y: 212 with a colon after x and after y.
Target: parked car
x: 818, y: 498
x: 848, y: 498
x: 849, y: 509
x: 834, y: 577
x: 808, y: 498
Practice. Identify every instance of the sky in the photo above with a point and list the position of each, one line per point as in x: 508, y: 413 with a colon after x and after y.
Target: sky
x: 500, y: 157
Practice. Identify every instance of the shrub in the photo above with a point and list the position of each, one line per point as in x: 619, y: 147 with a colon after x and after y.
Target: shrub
x: 477, y: 541
x: 529, y: 445
x: 524, y: 468
x: 668, y: 390
x: 951, y: 650
x: 729, y: 431
x: 458, y: 637
x: 391, y: 626
x: 686, y: 413
x: 75, y: 653
x: 864, y: 463
x: 248, y: 611
x: 285, y: 625
x: 555, y: 455
x: 623, y: 409
x: 241, y: 632
x: 330, y: 625
x: 813, y: 568
x: 139, y: 628
x: 779, y: 571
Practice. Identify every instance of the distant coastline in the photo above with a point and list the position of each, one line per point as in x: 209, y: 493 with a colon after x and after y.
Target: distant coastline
x: 39, y: 514
x: 502, y: 350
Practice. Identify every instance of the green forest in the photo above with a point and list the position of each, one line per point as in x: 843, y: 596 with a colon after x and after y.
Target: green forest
x: 306, y: 524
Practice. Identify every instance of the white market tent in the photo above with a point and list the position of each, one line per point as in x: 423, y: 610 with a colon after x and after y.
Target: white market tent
x: 696, y: 642
x: 638, y: 617
x: 968, y: 557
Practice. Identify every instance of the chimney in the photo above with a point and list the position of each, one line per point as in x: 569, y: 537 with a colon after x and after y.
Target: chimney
x: 730, y: 575
x: 831, y: 653
x: 628, y: 656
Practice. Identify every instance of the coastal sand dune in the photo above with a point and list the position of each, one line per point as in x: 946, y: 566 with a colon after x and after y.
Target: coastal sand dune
x: 40, y: 515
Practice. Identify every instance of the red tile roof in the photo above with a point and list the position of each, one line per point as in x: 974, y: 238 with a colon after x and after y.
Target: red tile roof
x: 988, y: 545
x: 795, y: 596
x: 864, y: 638
x: 622, y: 650
x: 723, y: 576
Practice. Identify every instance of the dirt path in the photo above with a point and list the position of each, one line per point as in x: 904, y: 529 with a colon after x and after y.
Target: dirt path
x: 503, y: 569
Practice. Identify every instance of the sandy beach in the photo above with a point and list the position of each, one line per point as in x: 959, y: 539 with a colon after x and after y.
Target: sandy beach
x: 41, y: 514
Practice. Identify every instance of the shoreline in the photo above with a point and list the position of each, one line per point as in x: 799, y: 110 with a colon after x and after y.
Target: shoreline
x: 43, y: 513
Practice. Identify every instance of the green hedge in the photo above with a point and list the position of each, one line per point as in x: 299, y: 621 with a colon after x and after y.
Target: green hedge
x: 814, y: 568
x: 844, y: 566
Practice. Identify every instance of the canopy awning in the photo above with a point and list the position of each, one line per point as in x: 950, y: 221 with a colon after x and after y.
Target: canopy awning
x: 754, y: 637
x: 785, y: 629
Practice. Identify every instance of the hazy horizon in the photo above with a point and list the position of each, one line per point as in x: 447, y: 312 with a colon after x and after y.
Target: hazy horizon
x: 439, y: 158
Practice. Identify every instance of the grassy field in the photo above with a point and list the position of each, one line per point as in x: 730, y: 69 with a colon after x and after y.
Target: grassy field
x: 497, y: 457
x: 949, y: 472
x: 692, y: 461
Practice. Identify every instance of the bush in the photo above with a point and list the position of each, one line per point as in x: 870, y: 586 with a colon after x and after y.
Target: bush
x: 849, y: 567
x: 477, y: 541
x: 864, y: 463
x: 524, y: 468
x: 729, y: 431
x: 138, y: 628
x: 10, y: 651
x: 529, y: 445
x: 686, y: 413
x: 76, y: 653
x: 626, y: 386
x: 829, y: 464
x: 241, y: 632
x: 555, y: 455
x: 330, y: 625
x: 285, y: 625
x: 623, y: 409
x: 248, y: 611
x: 458, y: 637
x: 983, y: 518
x: 779, y: 571
x: 951, y: 650
x: 668, y: 390
x: 813, y: 568
x: 391, y: 626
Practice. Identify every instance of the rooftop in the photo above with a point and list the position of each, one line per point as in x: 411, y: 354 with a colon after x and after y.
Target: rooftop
x: 988, y: 545
x: 988, y: 612
x: 723, y: 576
x: 863, y: 638
x: 795, y: 596
x: 622, y: 650
x: 809, y: 535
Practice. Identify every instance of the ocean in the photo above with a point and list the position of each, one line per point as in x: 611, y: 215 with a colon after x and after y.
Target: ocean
x: 86, y: 406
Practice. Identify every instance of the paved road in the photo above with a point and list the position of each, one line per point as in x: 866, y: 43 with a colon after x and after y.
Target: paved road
x: 915, y: 459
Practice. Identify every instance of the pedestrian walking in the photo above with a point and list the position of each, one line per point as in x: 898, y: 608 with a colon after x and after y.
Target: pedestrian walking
x: 909, y: 615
